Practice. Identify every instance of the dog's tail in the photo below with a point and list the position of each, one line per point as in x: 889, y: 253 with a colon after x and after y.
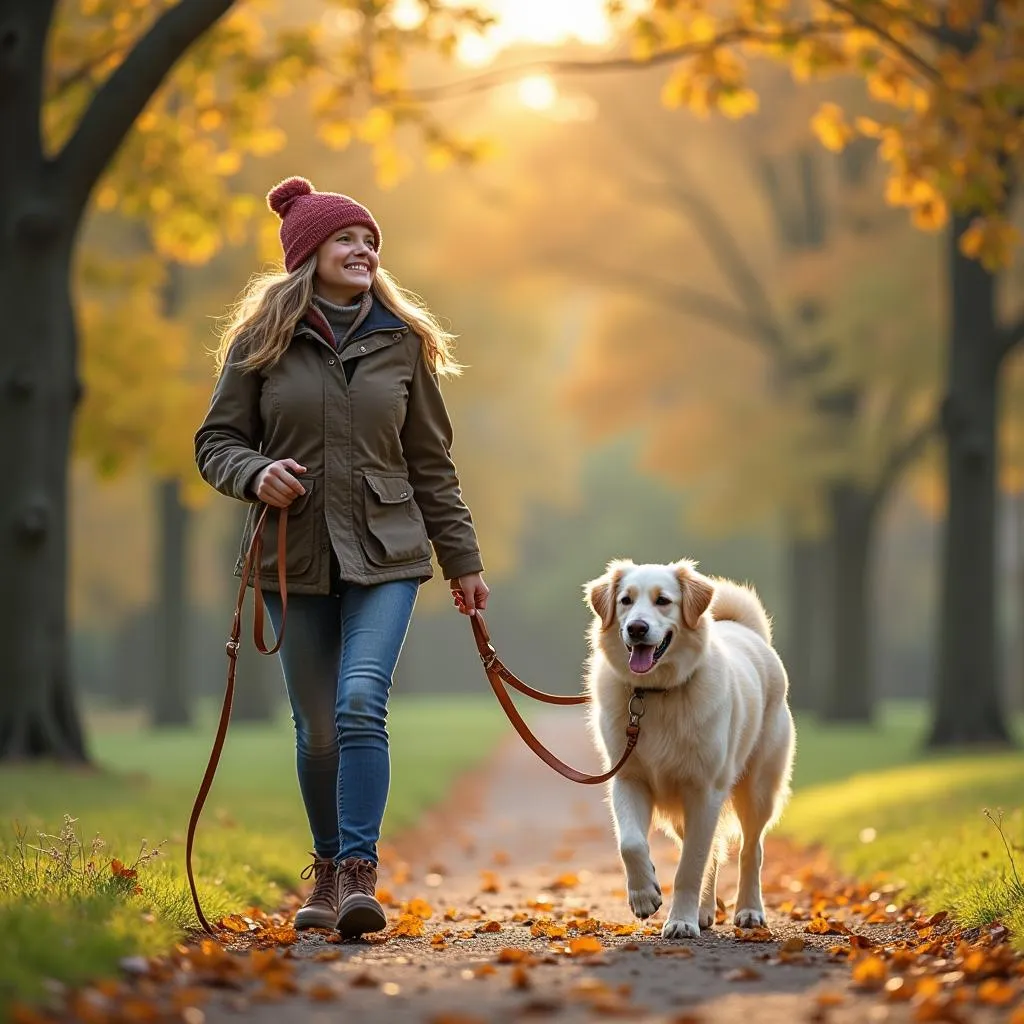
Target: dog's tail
x: 738, y: 602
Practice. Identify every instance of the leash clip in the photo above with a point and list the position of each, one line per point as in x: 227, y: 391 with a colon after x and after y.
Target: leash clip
x: 635, y: 714
x: 232, y: 648
x: 489, y: 658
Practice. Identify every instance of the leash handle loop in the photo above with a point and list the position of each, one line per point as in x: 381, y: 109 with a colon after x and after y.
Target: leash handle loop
x: 250, y: 568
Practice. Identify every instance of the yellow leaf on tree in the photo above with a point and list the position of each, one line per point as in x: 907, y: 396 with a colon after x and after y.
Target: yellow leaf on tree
x: 831, y: 128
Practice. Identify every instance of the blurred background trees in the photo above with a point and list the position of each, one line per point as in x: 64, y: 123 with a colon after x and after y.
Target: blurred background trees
x: 685, y: 335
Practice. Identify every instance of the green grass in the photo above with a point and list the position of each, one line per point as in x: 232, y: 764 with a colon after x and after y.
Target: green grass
x: 59, y: 920
x: 882, y: 807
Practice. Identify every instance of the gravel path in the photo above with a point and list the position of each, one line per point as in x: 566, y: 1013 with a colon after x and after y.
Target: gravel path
x: 519, y: 851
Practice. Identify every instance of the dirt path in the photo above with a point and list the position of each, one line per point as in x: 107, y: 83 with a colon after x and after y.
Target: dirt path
x: 524, y: 850
x: 523, y: 917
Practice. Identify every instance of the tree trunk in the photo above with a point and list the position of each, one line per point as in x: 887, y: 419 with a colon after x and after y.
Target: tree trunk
x: 848, y: 691
x: 806, y: 622
x: 171, y: 704
x: 968, y: 708
x: 38, y: 391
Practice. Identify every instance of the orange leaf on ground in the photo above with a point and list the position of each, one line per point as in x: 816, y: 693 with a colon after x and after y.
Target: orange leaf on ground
x: 870, y: 972
x: 121, y: 871
x: 742, y: 974
x: 513, y: 955
x: 488, y: 926
x: 566, y: 881
x: 419, y: 908
x: 996, y: 993
x: 520, y: 977
x: 408, y: 926
x: 585, y: 945
x: 547, y: 929
x: 489, y: 882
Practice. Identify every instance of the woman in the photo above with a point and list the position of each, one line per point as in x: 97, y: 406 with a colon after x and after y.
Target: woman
x: 327, y: 404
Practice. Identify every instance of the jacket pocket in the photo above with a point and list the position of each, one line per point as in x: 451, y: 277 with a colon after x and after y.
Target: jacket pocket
x: 300, y: 539
x: 395, y: 533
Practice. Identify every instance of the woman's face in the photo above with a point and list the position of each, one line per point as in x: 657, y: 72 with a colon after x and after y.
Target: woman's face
x: 346, y: 263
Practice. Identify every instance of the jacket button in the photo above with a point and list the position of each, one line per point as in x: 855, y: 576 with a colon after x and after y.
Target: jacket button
x: 396, y: 336
x: 330, y: 362
x: 404, y: 494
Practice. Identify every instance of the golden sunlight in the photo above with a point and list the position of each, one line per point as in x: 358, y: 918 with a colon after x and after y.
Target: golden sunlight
x: 538, y: 92
x: 543, y: 22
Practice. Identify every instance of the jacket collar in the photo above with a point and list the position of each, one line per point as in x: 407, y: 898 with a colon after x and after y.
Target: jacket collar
x: 380, y: 318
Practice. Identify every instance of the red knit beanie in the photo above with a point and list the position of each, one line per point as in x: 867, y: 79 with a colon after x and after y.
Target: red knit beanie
x: 309, y: 218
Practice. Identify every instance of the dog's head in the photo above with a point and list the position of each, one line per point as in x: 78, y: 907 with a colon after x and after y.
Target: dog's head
x: 650, y: 615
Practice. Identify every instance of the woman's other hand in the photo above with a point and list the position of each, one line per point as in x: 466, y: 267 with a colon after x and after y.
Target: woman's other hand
x: 277, y: 485
x: 470, y: 593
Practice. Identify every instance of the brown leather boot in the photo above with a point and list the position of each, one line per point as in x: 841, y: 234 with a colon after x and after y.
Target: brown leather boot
x: 321, y: 907
x: 358, y: 910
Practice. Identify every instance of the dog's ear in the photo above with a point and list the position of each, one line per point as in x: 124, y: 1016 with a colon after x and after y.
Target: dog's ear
x: 697, y: 592
x: 600, y: 593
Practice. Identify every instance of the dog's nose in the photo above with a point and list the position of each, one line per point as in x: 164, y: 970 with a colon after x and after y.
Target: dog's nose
x: 637, y: 630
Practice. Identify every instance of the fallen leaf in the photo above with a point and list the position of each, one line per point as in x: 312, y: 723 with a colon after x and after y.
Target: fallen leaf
x: 996, y: 993
x: 408, y: 926
x: 419, y: 908
x: 742, y: 974
x: 520, y: 977
x: 585, y: 945
x: 488, y: 926
x: 793, y: 945
x: 489, y: 882
x: 870, y: 972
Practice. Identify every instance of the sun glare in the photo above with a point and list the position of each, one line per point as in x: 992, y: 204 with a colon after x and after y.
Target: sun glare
x: 538, y: 92
x: 543, y: 22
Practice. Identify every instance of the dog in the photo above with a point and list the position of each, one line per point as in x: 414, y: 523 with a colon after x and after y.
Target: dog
x: 717, y: 740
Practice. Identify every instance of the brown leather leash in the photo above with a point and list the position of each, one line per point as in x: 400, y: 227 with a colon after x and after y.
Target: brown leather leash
x: 253, y: 558
x: 498, y: 675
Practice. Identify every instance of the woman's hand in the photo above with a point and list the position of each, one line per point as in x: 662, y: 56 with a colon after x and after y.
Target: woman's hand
x: 276, y: 485
x: 470, y: 593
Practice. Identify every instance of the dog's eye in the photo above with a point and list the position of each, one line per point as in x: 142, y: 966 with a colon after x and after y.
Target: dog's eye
x: 662, y: 600
x: 625, y: 599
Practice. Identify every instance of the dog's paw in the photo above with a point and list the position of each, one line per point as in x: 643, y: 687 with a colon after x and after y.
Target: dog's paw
x: 677, y: 928
x: 749, y: 919
x: 706, y: 917
x: 645, y: 901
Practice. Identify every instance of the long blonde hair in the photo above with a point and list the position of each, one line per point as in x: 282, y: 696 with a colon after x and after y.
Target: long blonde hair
x: 261, y: 323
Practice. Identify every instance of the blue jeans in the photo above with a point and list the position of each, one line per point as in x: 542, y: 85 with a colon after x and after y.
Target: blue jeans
x: 338, y: 657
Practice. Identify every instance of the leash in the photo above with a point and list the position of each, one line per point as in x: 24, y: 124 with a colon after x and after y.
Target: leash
x: 498, y: 676
x: 253, y: 558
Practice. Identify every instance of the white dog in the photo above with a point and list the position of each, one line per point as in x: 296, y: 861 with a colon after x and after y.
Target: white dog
x: 716, y: 742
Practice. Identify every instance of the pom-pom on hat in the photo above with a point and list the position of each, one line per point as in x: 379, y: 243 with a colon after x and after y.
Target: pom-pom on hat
x: 309, y: 218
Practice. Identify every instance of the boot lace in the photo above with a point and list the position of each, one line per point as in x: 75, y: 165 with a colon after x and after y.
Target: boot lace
x: 361, y: 876
x: 322, y: 869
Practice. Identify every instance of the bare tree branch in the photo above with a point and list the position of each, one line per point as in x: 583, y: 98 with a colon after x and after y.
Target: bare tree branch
x: 1009, y: 337
x: 908, y: 54
x: 900, y: 457
x: 678, y: 297
x: 725, y: 249
x: 499, y: 76
x: 124, y: 95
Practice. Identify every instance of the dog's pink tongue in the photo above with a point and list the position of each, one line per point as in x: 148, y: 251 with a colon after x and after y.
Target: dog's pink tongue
x: 641, y: 658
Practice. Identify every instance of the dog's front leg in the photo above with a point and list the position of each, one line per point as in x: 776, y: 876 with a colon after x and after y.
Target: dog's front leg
x: 632, y: 809
x: 701, y: 816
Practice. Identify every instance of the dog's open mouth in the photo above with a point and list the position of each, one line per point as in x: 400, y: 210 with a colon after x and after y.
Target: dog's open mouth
x: 643, y: 657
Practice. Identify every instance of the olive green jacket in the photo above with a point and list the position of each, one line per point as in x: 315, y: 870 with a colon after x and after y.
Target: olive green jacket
x: 380, y: 482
